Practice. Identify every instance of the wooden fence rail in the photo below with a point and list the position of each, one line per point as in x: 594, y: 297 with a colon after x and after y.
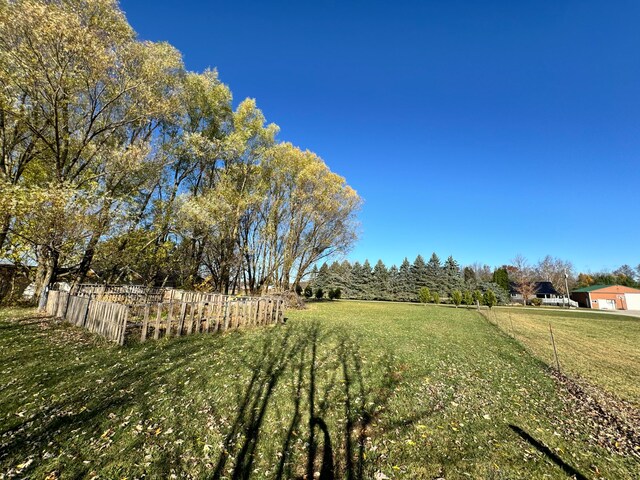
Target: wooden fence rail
x: 104, y: 318
x: 165, y: 318
x: 129, y: 294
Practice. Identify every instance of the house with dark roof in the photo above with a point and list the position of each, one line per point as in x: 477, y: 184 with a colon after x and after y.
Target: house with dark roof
x: 543, y: 290
x: 607, y: 297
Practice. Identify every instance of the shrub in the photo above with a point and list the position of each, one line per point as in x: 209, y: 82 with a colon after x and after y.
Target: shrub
x: 536, y: 301
x: 298, y: 289
x: 489, y: 298
x: 308, y: 291
x: 456, y: 297
x: 436, y: 297
x: 424, y: 295
x: 477, y: 296
x: 337, y: 293
x: 319, y: 293
x: 467, y: 298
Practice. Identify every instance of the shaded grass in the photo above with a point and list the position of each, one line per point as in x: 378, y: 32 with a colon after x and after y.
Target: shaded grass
x: 602, y: 348
x: 345, y: 389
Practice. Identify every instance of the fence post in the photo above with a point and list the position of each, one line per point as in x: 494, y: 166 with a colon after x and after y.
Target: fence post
x: 555, y: 352
x: 145, y: 323
x: 124, y: 325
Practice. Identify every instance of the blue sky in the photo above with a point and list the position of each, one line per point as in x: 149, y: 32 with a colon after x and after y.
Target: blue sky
x: 474, y: 129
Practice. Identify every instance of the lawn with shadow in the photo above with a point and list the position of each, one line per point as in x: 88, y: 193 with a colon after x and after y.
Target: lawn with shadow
x: 343, y: 390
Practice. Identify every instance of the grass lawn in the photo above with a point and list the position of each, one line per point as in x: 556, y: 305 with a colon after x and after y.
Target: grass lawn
x: 602, y: 348
x: 390, y: 391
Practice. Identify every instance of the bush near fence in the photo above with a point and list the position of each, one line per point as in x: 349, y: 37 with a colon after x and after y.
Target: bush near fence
x: 189, y: 314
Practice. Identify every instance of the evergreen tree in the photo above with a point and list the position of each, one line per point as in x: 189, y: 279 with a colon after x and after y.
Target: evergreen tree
x: 489, y: 298
x: 394, y: 279
x: 467, y: 298
x: 346, y: 280
x: 406, y: 290
x: 322, y: 278
x: 424, y: 295
x: 477, y: 296
x: 469, y: 276
x: 367, y: 281
x: 501, y: 278
x: 456, y: 297
x: 361, y: 280
x: 380, y: 287
x: 434, y: 274
x: 419, y: 273
x: 451, y: 275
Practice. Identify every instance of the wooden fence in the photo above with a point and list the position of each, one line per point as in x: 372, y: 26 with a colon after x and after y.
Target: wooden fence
x: 104, y: 318
x: 220, y: 313
x: 128, y: 294
x: 166, y: 318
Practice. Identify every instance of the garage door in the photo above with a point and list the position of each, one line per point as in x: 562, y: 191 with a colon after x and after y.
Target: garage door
x: 633, y: 301
x: 607, y: 304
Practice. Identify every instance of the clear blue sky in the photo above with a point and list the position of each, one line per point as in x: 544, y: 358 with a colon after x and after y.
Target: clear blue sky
x: 462, y: 124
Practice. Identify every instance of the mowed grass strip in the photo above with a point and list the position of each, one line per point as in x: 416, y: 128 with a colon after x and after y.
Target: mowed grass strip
x: 602, y: 348
x: 404, y: 391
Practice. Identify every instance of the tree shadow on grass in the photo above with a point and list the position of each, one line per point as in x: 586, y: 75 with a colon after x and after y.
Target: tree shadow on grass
x: 542, y: 448
x: 313, y: 376
x: 122, y: 387
x: 326, y: 402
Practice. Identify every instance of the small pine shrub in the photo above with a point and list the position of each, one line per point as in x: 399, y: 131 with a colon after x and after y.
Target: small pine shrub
x: 467, y: 298
x: 308, y: 291
x: 489, y: 298
x: 436, y: 298
x: 477, y: 296
x: 331, y: 294
x: 298, y: 289
x: 319, y: 293
x: 424, y: 295
x: 337, y: 293
x: 456, y: 297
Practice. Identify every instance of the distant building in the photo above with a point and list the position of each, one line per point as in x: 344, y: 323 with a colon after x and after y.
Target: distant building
x: 541, y: 289
x: 607, y: 297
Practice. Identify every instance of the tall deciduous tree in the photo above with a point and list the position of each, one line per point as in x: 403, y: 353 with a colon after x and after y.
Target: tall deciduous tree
x: 88, y: 96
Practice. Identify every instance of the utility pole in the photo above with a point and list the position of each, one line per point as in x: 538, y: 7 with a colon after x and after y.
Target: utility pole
x: 566, y: 285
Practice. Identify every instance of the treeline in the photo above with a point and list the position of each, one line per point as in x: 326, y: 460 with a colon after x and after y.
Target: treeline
x: 624, y: 275
x: 404, y: 283
x: 118, y: 165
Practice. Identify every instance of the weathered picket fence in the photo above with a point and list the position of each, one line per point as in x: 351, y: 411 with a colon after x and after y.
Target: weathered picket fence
x: 214, y: 313
x: 104, y: 318
x: 218, y: 313
x: 129, y: 294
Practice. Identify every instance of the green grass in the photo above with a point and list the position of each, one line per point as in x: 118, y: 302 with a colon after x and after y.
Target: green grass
x: 602, y: 348
x: 408, y: 391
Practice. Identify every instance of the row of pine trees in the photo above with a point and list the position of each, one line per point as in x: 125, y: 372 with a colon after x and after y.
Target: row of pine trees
x: 360, y: 281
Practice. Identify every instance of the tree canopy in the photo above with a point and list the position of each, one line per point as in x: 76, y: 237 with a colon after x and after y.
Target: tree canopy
x: 118, y: 164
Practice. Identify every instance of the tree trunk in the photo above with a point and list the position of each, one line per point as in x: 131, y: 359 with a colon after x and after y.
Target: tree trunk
x: 47, y: 270
x: 87, y: 258
x: 4, y: 229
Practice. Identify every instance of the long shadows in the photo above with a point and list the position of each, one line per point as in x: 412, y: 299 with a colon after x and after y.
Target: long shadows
x: 541, y: 447
x: 86, y: 405
x: 305, y: 382
x: 325, y: 401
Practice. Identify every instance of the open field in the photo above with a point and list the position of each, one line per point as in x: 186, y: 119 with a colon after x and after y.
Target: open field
x: 602, y: 348
x: 404, y: 391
